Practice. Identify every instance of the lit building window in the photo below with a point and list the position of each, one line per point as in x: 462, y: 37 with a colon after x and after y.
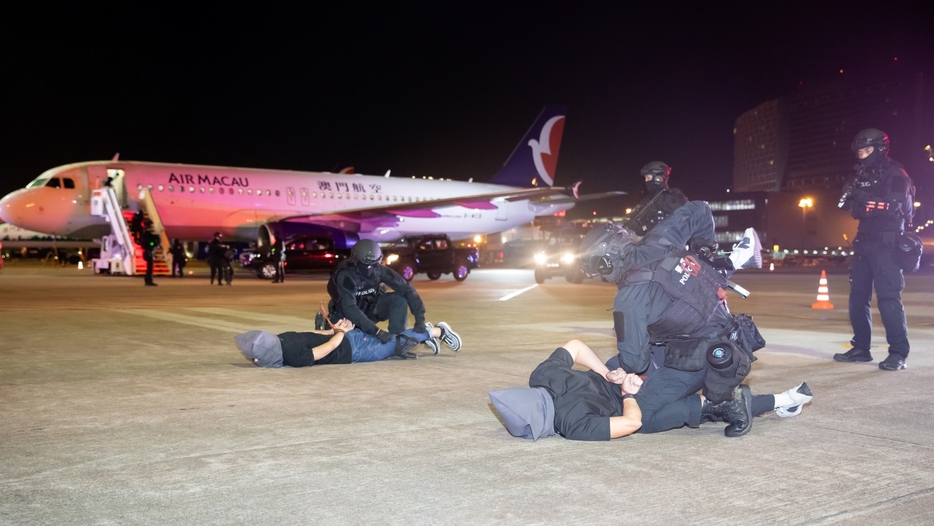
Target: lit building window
x: 738, y: 204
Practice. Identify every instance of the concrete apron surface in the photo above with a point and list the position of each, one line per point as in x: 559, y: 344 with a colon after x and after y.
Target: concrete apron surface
x: 124, y: 404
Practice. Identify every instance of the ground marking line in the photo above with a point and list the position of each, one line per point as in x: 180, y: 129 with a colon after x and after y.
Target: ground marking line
x: 508, y: 297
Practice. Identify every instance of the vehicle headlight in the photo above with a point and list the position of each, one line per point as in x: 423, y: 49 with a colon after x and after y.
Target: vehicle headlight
x: 540, y: 258
x: 391, y: 258
x: 568, y: 257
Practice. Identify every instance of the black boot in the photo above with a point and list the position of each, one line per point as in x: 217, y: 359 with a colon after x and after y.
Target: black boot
x: 738, y: 412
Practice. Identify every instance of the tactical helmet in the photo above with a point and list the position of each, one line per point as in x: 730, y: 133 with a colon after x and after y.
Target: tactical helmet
x: 871, y: 137
x: 593, y: 249
x: 659, y: 171
x: 366, y: 251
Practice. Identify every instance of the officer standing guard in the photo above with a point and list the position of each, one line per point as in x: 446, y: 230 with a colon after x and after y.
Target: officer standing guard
x: 881, y: 197
x: 278, y: 255
x: 149, y: 241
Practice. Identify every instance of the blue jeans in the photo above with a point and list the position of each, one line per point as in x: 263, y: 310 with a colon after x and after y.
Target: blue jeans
x: 366, y: 348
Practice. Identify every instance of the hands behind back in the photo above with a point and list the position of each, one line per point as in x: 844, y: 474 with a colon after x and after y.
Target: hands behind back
x: 344, y: 325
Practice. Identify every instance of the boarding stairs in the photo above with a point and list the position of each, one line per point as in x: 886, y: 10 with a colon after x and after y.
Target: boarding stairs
x: 120, y: 253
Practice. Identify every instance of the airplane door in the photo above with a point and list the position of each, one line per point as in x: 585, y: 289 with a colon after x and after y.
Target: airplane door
x: 290, y: 196
x: 502, y: 207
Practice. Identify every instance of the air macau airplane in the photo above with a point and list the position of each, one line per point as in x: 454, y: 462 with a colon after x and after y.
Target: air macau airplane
x: 253, y: 204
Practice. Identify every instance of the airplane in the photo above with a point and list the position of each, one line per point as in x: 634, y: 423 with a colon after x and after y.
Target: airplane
x: 246, y: 204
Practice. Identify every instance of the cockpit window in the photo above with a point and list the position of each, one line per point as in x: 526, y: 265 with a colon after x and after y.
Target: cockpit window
x: 69, y: 183
x: 54, y: 183
x: 37, y: 183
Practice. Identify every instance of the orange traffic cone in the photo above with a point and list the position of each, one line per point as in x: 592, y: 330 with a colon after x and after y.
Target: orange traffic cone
x: 823, y: 293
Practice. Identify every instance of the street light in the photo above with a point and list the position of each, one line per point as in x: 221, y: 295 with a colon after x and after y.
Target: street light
x: 804, y: 203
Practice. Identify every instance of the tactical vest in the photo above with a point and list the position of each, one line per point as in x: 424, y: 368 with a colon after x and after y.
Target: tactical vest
x: 366, y: 287
x: 692, y: 284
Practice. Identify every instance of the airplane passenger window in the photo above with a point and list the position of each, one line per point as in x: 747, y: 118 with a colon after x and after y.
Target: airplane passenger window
x: 277, y: 193
x: 268, y: 193
x: 191, y: 189
x: 68, y: 183
x: 249, y: 191
x: 332, y: 195
x: 240, y: 191
x: 54, y: 183
x: 202, y: 189
x: 149, y: 187
x: 211, y: 189
x: 139, y: 187
x: 161, y: 188
x: 171, y: 188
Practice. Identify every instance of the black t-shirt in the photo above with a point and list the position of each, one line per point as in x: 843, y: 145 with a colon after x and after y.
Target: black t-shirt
x: 297, y: 349
x: 584, y: 401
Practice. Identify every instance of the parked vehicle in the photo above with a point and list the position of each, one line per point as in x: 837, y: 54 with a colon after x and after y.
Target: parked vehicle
x: 302, y: 254
x: 559, y: 258
x: 433, y: 255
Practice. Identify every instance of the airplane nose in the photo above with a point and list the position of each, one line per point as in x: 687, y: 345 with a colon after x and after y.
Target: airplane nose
x: 10, y: 208
x: 27, y: 208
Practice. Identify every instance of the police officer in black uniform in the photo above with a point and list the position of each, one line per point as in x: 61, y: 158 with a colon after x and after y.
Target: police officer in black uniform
x: 660, y: 201
x: 671, y: 314
x: 149, y: 241
x: 357, y: 293
x: 277, y: 254
x: 880, y: 196
x: 217, y: 254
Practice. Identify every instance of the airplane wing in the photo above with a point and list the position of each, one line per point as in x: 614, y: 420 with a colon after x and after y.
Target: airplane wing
x: 586, y: 197
x: 389, y: 213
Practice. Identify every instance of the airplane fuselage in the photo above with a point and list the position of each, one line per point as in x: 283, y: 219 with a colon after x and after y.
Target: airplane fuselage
x: 195, y: 201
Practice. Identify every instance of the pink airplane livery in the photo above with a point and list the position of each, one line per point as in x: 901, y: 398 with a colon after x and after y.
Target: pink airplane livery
x: 258, y: 205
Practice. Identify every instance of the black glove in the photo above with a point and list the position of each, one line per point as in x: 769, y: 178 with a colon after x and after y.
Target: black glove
x: 420, y: 326
x: 383, y: 336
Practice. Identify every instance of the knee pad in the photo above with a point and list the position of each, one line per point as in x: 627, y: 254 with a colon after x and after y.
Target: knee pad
x: 720, y: 356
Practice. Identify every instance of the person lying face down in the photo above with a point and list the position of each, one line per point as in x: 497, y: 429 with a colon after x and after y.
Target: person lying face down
x: 600, y: 404
x: 342, y: 344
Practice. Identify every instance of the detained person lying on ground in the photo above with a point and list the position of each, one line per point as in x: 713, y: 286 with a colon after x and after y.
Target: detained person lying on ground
x: 602, y: 404
x: 342, y: 344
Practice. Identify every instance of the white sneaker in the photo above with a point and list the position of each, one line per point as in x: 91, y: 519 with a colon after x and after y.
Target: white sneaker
x: 449, y: 337
x: 801, y: 395
x: 433, y: 343
x: 748, y: 252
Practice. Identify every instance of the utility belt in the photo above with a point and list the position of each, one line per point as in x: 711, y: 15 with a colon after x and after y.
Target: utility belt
x: 727, y: 354
x: 886, y: 238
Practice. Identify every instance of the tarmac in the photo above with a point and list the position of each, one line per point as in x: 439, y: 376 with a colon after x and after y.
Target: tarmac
x: 125, y: 404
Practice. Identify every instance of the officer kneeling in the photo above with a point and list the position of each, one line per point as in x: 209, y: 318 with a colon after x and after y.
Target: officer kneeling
x: 671, y: 315
x: 358, y: 294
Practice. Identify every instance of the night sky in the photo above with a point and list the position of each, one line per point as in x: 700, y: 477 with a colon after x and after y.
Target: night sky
x: 444, y: 89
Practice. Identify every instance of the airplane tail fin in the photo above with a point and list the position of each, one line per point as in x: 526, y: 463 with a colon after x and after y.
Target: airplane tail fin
x: 533, y: 161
